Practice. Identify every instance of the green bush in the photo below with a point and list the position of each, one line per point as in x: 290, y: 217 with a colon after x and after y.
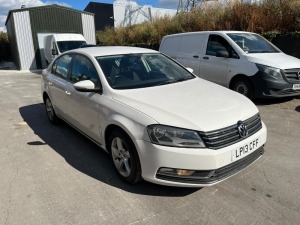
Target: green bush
x: 269, y: 18
x: 4, y: 47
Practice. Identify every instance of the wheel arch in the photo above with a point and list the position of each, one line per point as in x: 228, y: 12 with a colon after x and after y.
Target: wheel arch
x: 45, y: 95
x: 126, y: 126
x: 240, y: 76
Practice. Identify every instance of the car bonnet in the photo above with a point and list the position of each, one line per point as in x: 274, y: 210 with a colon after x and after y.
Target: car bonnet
x: 195, y: 104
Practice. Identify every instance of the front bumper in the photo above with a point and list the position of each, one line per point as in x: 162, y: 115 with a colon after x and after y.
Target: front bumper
x: 217, y: 163
x: 269, y: 88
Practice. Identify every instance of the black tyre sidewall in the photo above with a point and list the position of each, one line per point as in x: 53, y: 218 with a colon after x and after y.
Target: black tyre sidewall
x: 247, y: 83
x: 55, y: 118
x: 135, y: 174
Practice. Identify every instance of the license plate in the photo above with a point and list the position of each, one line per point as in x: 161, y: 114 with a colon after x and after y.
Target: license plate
x: 244, y: 150
x: 296, y: 86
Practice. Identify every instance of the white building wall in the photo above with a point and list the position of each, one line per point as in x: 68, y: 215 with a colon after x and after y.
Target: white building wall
x: 128, y: 13
x: 88, y: 25
x: 24, y: 40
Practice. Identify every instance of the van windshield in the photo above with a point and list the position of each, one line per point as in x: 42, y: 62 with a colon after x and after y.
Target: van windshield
x: 69, y: 45
x: 252, y: 43
x: 130, y: 71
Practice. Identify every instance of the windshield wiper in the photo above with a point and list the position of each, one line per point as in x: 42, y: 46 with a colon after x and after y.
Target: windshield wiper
x: 175, y: 80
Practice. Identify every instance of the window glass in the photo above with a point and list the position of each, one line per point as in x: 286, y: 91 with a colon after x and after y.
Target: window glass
x: 252, y: 43
x: 69, y: 45
x: 83, y: 69
x: 217, y: 43
x: 61, y: 66
x: 141, y: 70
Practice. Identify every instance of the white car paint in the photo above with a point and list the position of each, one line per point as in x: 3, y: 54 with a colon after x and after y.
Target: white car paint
x: 194, y: 104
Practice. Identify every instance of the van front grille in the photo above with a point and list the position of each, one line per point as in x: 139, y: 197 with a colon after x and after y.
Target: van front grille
x: 229, y: 135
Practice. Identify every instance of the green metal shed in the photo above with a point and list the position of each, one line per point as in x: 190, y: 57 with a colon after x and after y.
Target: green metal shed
x: 27, y: 27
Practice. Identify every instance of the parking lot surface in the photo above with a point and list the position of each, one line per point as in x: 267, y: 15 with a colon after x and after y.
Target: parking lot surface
x: 54, y: 175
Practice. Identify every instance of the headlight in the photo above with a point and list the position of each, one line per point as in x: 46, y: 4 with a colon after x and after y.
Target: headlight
x: 270, y: 72
x: 176, y: 137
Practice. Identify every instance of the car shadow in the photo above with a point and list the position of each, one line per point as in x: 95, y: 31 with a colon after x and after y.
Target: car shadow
x: 297, y: 108
x: 272, y: 101
x: 84, y: 155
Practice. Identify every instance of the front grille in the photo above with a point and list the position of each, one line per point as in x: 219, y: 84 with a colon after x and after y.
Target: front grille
x: 229, y: 135
x: 200, y: 177
x: 292, y: 75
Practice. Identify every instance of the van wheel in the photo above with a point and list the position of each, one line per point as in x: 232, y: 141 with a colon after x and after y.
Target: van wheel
x: 124, y: 157
x: 244, y: 87
x: 50, y: 111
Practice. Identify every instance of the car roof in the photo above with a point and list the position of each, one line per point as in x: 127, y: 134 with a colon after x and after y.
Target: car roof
x: 111, y: 50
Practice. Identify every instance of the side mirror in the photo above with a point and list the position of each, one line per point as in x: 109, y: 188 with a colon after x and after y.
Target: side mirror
x: 54, y: 52
x: 86, y: 86
x: 190, y: 69
x: 223, y: 54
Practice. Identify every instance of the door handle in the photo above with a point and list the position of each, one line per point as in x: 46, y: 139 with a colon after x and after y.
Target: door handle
x: 50, y: 83
x: 196, y: 56
x: 68, y: 93
x: 205, y: 57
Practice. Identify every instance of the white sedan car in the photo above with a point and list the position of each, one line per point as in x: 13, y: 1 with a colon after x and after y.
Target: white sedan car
x: 156, y: 119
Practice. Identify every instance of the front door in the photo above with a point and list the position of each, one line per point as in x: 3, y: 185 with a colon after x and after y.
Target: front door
x: 84, y: 106
x: 213, y: 67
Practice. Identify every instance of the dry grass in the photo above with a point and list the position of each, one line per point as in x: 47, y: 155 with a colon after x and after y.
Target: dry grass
x: 279, y: 16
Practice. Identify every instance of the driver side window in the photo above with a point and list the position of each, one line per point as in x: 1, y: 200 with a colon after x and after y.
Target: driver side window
x: 217, y: 43
x: 83, y: 69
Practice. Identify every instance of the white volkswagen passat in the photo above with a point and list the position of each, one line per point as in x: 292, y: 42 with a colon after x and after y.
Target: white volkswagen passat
x: 156, y: 119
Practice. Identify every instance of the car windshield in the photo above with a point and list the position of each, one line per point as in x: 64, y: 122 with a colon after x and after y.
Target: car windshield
x: 130, y: 71
x: 252, y: 43
x: 69, y: 45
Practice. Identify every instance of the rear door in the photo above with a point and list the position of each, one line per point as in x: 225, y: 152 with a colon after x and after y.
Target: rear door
x: 57, y: 81
x: 215, y: 68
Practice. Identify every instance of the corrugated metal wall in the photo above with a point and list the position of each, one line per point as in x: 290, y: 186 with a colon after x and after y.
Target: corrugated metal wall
x: 26, y: 26
x: 88, y: 26
x: 24, y: 40
x: 53, y: 20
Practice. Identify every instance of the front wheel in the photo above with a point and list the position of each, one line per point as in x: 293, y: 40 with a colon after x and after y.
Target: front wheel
x: 244, y: 87
x: 125, y: 157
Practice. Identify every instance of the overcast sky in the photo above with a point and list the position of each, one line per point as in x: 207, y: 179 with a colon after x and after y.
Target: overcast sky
x: 6, y: 5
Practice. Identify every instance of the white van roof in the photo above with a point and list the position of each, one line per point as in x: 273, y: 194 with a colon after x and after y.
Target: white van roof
x: 70, y: 36
x: 209, y: 32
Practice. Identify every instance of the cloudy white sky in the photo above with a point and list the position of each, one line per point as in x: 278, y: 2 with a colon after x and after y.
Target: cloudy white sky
x: 6, y: 5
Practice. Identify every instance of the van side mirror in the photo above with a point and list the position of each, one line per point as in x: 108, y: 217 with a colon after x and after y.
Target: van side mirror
x: 223, y: 54
x: 54, y: 52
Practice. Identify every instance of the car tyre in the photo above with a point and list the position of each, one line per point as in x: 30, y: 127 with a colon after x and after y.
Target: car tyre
x: 124, y: 157
x: 244, y: 87
x: 50, y: 111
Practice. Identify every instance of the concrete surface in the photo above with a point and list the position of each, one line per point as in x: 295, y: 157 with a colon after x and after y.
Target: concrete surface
x: 53, y: 175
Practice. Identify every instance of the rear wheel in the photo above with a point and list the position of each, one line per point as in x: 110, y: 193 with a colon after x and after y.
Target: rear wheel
x: 125, y: 157
x: 244, y: 87
x: 50, y: 111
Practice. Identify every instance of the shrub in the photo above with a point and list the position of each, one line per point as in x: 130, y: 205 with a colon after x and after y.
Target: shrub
x: 268, y: 18
x: 4, y: 47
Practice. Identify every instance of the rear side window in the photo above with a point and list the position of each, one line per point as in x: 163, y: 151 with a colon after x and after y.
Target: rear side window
x: 83, y: 69
x: 61, y: 66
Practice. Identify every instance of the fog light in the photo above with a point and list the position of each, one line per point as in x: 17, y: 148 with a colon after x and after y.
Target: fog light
x: 178, y: 172
x: 185, y: 172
